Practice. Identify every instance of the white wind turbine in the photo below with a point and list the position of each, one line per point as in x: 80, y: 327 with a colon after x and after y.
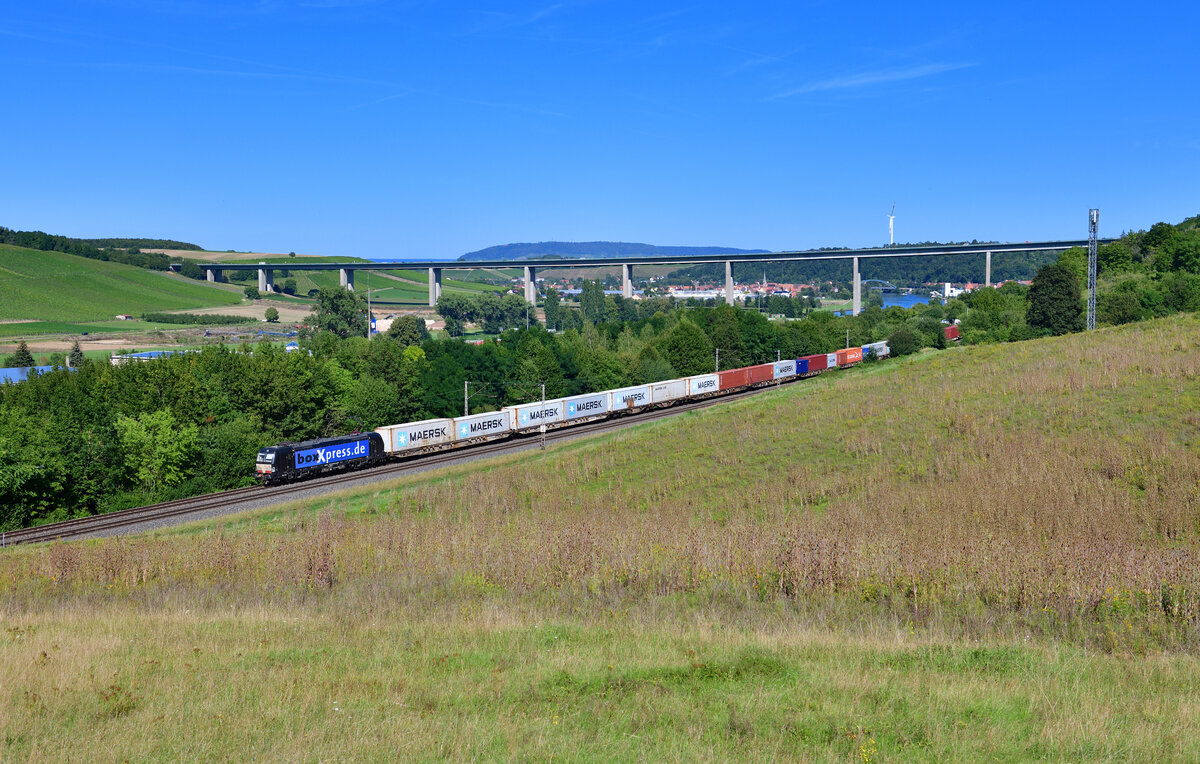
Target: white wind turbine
x: 891, y: 226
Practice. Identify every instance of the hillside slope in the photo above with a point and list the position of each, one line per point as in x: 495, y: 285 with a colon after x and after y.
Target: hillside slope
x: 982, y: 554
x: 56, y: 286
x: 525, y: 251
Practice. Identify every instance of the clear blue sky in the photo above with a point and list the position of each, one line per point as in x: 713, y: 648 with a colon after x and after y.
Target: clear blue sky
x: 419, y: 129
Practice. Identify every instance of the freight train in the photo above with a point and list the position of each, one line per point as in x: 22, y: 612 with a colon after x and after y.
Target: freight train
x: 293, y: 461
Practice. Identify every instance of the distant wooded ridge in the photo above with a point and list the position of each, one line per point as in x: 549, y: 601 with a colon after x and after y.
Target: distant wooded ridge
x: 51, y: 243
x: 543, y: 249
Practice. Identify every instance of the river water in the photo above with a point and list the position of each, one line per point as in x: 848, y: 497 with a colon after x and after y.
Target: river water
x: 893, y: 299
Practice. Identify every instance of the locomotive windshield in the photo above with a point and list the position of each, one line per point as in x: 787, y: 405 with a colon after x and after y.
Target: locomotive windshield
x: 266, y: 455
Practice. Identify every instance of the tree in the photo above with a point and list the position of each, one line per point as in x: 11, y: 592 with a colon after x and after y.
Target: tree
x: 1120, y: 307
x: 1158, y: 235
x: 688, y: 349
x: 341, y: 311
x: 289, y: 286
x: 591, y: 301
x: 536, y: 365
x: 192, y: 271
x: 408, y: 330
x: 1075, y: 258
x: 157, y: 449
x: 22, y: 357
x: 76, y: 358
x: 272, y: 316
x: 1055, y: 300
x: 1114, y: 258
x: 903, y: 341
x: 1182, y: 291
x: 456, y: 309
x: 552, y: 308
x: 1183, y: 249
x: 724, y: 329
x: 454, y: 326
x: 252, y: 293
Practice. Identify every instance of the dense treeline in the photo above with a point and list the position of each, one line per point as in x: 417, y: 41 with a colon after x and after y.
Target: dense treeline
x: 105, y: 437
x: 203, y: 319
x: 1145, y: 274
x: 86, y: 248
x: 144, y: 244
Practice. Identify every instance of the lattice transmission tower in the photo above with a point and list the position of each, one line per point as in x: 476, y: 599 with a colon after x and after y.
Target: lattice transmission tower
x: 1093, y: 226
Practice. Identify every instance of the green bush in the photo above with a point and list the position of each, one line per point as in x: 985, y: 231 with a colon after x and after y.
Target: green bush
x: 903, y: 341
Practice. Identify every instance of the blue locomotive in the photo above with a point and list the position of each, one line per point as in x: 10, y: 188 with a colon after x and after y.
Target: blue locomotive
x: 292, y: 461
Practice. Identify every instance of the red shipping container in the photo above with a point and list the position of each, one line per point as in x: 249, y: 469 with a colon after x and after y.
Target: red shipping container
x: 848, y: 356
x: 952, y: 333
x: 819, y: 362
x: 764, y: 372
x: 734, y: 378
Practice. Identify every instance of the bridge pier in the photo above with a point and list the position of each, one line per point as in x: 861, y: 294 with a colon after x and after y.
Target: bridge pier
x: 346, y: 278
x: 626, y: 281
x: 213, y: 274
x: 531, y: 285
x: 856, y: 308
x: 987, y: 270
x: 729, y: 282
x: 435, y: 286
x: 266, y: 278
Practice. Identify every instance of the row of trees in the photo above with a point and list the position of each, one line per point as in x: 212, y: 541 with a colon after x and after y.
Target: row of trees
x: 89, y: 249
x: 105, y: 437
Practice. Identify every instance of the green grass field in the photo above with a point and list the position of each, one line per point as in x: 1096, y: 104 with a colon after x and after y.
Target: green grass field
x: 981, y: 554
x: 57, y: 287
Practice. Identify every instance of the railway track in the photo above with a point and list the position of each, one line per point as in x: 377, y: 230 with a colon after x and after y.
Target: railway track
x: 181, y: 509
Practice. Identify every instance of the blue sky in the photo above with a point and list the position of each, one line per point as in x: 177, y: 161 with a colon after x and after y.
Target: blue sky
x: 420, y: 129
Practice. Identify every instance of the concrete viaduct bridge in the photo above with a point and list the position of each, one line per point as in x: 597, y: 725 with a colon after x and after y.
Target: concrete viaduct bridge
x: 435, y: 267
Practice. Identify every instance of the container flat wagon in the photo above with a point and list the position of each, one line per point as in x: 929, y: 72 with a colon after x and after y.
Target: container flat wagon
x: 531, y: 416
x: 849, y: 356
x: 734, y: 378
x: 762, y: 373
x: 629, y: 398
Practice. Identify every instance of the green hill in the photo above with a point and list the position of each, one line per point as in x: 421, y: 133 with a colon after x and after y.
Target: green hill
x: 558, y: 249
x: 55, y: 286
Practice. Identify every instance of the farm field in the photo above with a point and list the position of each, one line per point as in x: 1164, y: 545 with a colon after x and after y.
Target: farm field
x: 408, y: 286
x: 984, y: 553
x: 57, y: 287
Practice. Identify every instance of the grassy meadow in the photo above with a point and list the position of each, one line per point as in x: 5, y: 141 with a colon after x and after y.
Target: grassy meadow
x: 985, y: 553
x: 62, y: 288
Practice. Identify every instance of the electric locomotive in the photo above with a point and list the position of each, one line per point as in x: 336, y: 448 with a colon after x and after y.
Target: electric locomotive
x: 293, y: 461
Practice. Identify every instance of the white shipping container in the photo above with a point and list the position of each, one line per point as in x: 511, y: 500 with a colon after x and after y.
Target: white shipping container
x: 487, y: 425
x: 672, y: 389
x: 785, y: 368
x: 532, y: 415
x: 628, y: 398
x: 415, y: 435
x: 593, y: 404
x: 831, y: 360
x: 703, y: 384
